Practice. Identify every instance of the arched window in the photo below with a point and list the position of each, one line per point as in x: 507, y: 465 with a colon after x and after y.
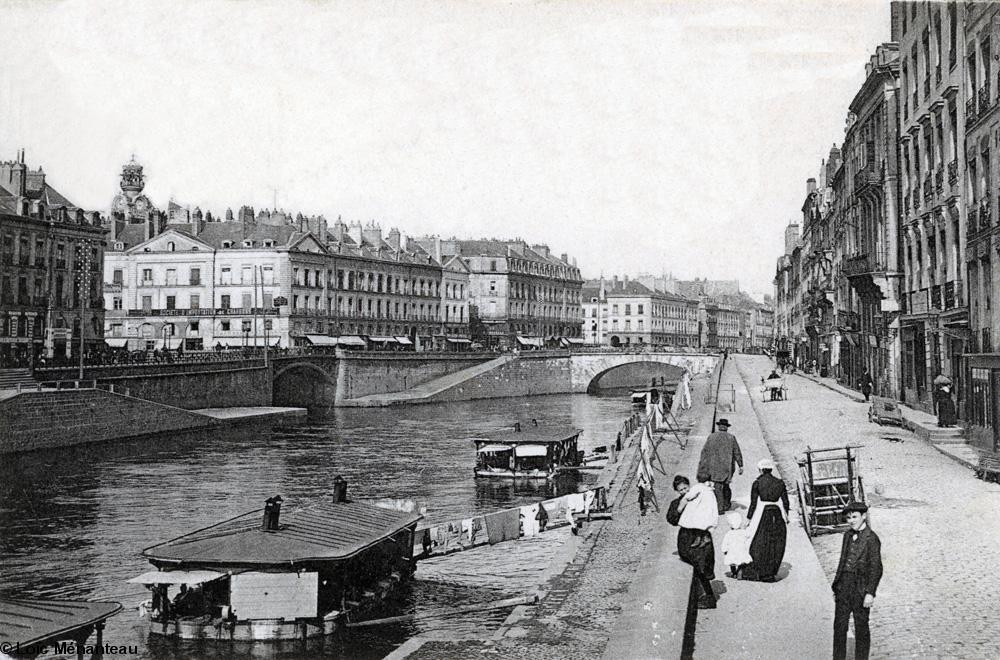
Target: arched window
x: 171, y: 246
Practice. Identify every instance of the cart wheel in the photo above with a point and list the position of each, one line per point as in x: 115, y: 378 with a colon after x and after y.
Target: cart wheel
x: 802, y: 509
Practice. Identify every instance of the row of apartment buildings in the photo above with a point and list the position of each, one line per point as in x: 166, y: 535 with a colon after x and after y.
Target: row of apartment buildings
x: 183, y: 279
x: 631, y: 312
x: 890, y: 269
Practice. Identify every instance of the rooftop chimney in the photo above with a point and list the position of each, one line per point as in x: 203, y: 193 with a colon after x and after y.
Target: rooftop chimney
x: 272, y: 513
x: 810, y: 185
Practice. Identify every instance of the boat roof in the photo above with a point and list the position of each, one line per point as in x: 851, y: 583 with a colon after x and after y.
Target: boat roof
x: 31, y: 622
x: 319, y: 532
x: 534, y: 435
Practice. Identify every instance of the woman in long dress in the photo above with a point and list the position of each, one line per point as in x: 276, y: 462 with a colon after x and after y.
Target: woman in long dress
x: 768, y: 516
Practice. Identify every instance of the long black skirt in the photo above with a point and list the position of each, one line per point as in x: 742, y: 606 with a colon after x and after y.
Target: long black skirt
x: 702, y: 559
x: 768, y: 546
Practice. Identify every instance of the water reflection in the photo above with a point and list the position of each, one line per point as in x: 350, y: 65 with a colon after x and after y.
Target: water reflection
x: 75, y: 520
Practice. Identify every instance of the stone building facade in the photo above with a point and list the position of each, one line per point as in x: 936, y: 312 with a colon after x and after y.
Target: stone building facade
x: 627, y: 313
x: 51, y: 261
x: 933, y: 172
x: 519, y: 295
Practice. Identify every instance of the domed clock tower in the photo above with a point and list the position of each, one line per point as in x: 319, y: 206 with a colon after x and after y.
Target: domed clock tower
x: 130, y: 204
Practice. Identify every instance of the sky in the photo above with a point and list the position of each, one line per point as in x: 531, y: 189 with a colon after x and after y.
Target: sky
x: 652, y: 137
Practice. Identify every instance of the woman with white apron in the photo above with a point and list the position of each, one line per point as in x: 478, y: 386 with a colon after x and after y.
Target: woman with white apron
x: 767, y: 516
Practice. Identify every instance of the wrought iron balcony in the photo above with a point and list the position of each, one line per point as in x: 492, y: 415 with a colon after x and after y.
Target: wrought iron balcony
x: 953, y: 294
x: 984, y: 99
x: 916, y: 199
x: 869, y: 175
x: 936, y: 296
x: 984, y: 213
x: 858, y: 265
x: 939, y: 180
x: 953, y: 172
x: 970, y: 112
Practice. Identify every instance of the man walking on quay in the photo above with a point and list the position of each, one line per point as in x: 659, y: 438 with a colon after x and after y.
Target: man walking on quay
x: 854, y: 586
x: 867, y: 384
x: 720, y: 453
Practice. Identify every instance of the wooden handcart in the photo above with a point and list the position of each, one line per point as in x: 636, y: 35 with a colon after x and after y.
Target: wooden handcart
x: 773, y: 389
x: 828, y: 481
x: 885, y: 411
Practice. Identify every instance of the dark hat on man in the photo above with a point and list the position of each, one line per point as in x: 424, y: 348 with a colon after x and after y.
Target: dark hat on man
x: 722, y: 422
x: 859, y: 507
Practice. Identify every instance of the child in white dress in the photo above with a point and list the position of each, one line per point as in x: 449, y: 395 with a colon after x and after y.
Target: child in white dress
x: 736, y: 545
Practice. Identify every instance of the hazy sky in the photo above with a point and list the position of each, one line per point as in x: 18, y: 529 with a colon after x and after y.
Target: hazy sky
x: 637, y: 136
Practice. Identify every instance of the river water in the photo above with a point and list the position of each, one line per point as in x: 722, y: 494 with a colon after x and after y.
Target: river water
x: 74, y: 521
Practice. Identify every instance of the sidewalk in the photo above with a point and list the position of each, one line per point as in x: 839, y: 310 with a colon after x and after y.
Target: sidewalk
x: 949, y: 442
x: 792, y: 618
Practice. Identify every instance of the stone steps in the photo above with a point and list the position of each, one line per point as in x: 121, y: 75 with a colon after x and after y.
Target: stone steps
x: 11, y: 378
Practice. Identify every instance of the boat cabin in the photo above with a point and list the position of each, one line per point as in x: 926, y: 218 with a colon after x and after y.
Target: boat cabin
x: 536, y: 452
x: 270, y: 575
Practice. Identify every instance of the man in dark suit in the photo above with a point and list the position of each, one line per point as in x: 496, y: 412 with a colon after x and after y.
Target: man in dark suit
x: 858, y: 575
x: 718, y: 457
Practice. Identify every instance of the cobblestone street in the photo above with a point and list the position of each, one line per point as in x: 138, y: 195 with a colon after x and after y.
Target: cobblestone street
x: 938, y: 524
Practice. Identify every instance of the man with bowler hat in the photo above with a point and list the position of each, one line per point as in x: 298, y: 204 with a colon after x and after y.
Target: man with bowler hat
x: 858, y: 575
x: 720, y: 453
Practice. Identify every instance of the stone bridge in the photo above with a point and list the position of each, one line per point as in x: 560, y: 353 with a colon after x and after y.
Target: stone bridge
x: 589, y: 367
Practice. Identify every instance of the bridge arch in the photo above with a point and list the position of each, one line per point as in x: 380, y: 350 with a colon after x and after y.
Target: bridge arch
x: 587, y: 367
x: 637, y: 374
x: 303, y: 385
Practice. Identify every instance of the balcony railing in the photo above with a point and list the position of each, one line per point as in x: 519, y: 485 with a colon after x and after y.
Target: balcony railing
x: 916, y: 199
x: 936, y: 296
x: 970, y: 112
x: 953, y: 295
x: 939, y: 180
x: 984, y: 99
x: 869, y: 175
x: 858, y: 264
x: 984, y: 213
x: 953, y: 172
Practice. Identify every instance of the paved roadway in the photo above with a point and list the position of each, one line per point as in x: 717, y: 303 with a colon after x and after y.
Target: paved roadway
x: 940, y: 527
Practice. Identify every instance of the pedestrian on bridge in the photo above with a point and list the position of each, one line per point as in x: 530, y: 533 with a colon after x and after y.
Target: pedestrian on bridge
x: 858, y: 575
x: 718, y: 458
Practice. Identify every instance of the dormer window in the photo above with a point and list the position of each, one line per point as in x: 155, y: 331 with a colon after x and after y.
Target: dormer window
x: 248, y: 244
x: 268, y: 243
x: 194, y: 247
x: 171, y: 246
x: 119, y: 245
x: 227, y: 244
x: 145, y: 249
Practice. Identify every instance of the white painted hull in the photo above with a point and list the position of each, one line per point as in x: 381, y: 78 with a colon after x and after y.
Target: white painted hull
x: 253, y: 630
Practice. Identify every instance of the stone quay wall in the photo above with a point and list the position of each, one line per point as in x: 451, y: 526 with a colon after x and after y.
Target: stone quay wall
x: 360, y: 374
x: 43, y: 420
x: 525, y: 376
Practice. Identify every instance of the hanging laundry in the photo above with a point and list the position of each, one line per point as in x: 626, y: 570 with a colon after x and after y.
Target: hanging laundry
x: 503, y: 526
x: 529, y: 520
x: 477, y: 537
x: 466, y: 538
x: 588, y: 502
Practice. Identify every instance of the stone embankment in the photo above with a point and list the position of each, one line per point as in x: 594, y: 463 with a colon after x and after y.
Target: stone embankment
x: 49, y: 419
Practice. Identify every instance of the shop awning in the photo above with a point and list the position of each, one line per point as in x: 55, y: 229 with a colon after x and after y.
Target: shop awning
x: 178, y: 577
x: 116, y: 342
x: 322, y: 340
x: 492, y: 448
x: 570, y: 341
x: 458, y: 340
x: 383, y: 340
x: 530, y: 341
x: 530, y: 450
x: 405, y: 341
x: 350, y: 340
